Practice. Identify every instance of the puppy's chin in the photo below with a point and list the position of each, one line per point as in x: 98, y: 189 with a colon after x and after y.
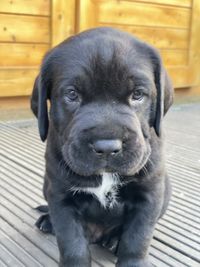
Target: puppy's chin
x: 86, y: 170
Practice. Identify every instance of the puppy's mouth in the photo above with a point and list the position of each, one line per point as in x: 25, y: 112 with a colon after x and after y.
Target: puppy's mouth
x: 87, y: 166
x: 88, y: 170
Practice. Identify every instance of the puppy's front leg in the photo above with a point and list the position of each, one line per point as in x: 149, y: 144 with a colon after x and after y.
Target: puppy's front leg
x: 73, y: 245
x: 137, y: 234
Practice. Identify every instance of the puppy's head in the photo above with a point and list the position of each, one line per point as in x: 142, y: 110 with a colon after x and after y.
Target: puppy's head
x: 108, y: 93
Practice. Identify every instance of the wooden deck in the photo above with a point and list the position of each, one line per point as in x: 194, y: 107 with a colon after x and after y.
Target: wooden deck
x: 177, y: 236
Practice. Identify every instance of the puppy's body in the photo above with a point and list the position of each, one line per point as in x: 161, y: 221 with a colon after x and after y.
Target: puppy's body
x: 105, y: 177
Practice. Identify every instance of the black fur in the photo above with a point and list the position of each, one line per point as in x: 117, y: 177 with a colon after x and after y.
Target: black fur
x: 105, y: 67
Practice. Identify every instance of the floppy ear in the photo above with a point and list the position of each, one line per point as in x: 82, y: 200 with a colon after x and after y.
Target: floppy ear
x: 39, y: 105
x: 164, y: 99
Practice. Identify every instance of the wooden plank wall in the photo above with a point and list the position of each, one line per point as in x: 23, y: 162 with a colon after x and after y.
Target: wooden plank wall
x: 165, y: 24
x: 28, y: 28
x: 63, y: 16
x: 24, y: 38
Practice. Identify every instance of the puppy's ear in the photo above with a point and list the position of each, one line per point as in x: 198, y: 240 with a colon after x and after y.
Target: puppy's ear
x: 39, y: 98
x: 34, y: 97
x: 164, y: 97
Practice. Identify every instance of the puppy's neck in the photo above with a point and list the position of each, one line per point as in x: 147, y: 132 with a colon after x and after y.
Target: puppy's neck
x: 106, y: 192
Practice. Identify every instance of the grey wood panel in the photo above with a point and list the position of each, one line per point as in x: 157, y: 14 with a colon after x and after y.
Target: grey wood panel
x: 176, y: 240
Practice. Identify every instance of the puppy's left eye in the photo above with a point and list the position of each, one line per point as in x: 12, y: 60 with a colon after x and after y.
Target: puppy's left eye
x: 137, y: 95
x: 71, y: 94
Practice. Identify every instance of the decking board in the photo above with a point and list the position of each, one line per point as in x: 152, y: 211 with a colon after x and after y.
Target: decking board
x: 176, y: 240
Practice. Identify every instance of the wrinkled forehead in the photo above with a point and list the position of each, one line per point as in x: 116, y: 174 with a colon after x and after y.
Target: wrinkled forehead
x: 106, y: 64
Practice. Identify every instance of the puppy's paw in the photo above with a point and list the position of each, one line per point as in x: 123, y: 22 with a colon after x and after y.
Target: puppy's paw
x: 44, y: 224
x: 110, y: 244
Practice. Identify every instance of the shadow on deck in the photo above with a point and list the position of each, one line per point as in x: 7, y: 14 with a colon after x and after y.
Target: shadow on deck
x: 177, y: 236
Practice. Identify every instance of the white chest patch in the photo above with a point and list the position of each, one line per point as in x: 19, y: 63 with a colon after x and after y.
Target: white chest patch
x: 106, y: 193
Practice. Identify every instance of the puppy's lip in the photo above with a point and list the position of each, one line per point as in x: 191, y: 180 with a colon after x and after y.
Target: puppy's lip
x: 139, y: 167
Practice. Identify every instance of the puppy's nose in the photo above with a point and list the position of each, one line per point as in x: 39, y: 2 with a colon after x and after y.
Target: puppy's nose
x: 109, y: 147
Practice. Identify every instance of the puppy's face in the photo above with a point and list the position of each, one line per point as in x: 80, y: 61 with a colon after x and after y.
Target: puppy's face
x: 102, y: 111
x: 103, y: 103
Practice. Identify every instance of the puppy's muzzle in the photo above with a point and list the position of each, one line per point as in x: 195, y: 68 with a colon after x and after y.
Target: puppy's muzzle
x: 106, y: 147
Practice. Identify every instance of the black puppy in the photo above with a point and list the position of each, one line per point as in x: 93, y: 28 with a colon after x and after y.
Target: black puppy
x: 105, y: 174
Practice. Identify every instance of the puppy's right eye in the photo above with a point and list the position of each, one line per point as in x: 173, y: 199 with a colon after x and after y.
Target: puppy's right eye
x: 71, y: 94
